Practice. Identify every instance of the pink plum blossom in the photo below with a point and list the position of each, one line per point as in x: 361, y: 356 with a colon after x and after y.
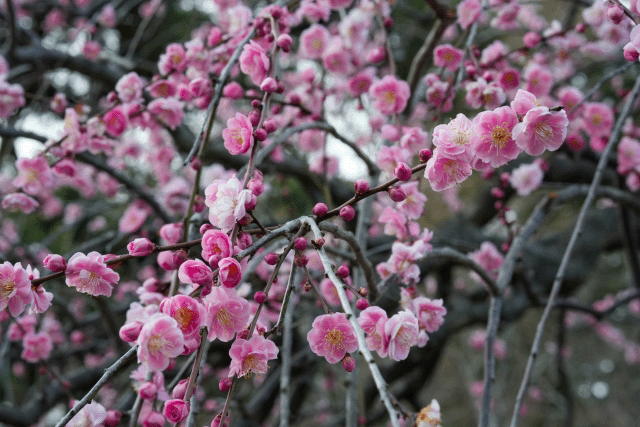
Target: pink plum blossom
x: 598, y: 118
x: 390, y: 95
x: 188, y: 312
x: 313, y: 41
x: 493, y: 140
x: 14, y: 202
x: 413, y: 205
x: 195, y: 272
x: 226, y: 202
x: 447, y: 56
x: 444, y: 171
x: 238, y: 135
x: 430, y: 313
x: 373, y: 320
x: 89, y: 274
x: 526, y: 178
x: 34, y: 175
x: 160, y: 340
x: 175, y: 410
x: 332, y: 337
x: 401, y: 331
x: 453, y: 138
x: 167, y: 111
x: 227, y: 313
x: 91, y: 415
x: 254, y: 62
x: 251, y: 356
x: 129, y: 87
x: 628, y: 155
x: 15, y: 288
x: 230, y: 272
x: 488, y: 257
x: 215, y: 246
x: 36, y: 347
x: 174, y: 59
x: 541, y: 129
x: 523, y: 102
x: 468, y: 12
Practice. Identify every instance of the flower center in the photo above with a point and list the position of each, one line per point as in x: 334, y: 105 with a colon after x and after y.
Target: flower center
x: 157, y: 342
x: 334, y: 338
x: 543, y: 130
x: 596, y: 119
x: 6, y: 288
x: 223, y: 318
x: 251, y: 364
x: 184, y: 316
x: 389, y: 97
x: 316, y: 44
x: 500, y: 136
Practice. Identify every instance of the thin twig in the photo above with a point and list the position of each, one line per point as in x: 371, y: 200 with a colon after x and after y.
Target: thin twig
x: 600, y: 82
x: 613, y: 141
x: 110, y: 372
x: 362, y: 344
x: 285, y: 354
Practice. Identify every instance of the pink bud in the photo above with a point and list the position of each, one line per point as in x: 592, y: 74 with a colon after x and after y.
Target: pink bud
x: 260, y: 134
x: 141, y: 247
x: 260, y: 297
x: 206, y: 227
x: 113, y: 418
x: 148, y: 391
x: 531, y: 39
x: 300, y: 260
x: 498, y: 205
x: 348, y: 363
x: 497, y: 193
x: 300, y: 244
x: 630, y: 52
x: 270, y: 125
x: 254, y: 118
x: 403, y: 172
x: 233, y: 90
x: 256, y: 186
x: 271, y: 258
x: 171, y: 233
x: 180, y: 389
x: 388, y: 22
x: 397, y: 194
x: 580, y: 27
x: 362, y: 303
x: 347, y: 213
x: 425, y: 155
x: 153, y: 419
x: 318, y: 243
x: 320, y: 209
x: 376, y: 55
x: 243, y: 334
x: 230, y: 272
x: 166, y: 261
x: 176, y: 410
x: 249, y: 206
x: 361, y: 186
x: 390, y: 132
x: 342, y: 271
x: 55, y: 263
x: 615, y: 13
x: 363, y: 292
x: 256, y: 104
x: 224, y: 384
x: 129, y: 331
x: 269, y: 85
x: 284, y: 42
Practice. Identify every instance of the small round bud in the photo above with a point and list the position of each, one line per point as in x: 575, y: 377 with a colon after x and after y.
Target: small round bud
x: 271, y: 258
x: 245, y: 220
x: 270, y: 125
x: 260, y: 297
x: 254, y: 118
x: 362, y: 303
x: 615, y: 13
x: 347, y: 213
x: 318, y: 243
x: 363, y: 292
x: 342, y: 271
x: 261, y: 134
x: 320, y: 209
x: 497, y: 192
x: 256, y: 104
x: 498, y: 205
x: 224, y: 384
x: 301, y: 260
x: 531, y: 39
x: 269, y: 85
x: 630, y: 53
x: 300, y: 244
x: 348, y: 363
x: 388, y: 22
x: 196, y: 164
x: 377, y: 55
x: 425, y: 155
x: 243, y: 334
x: 505, y: 247
x: 361, y: 186
x: 281, y: 88
x: 113, y: 418
x: 307, y: 287
x: 397, y: 194
x: 403, y: 172
x: 284, y: 42
x: 55, y: 263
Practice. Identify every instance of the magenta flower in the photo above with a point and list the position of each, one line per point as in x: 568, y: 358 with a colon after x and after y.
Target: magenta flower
x: 332, y: 337
x: 34, y: 175
x: 167, y: 111
x: 116, y: 122
x: 15, y: 288
x: 430, y: 313
x: 238, y: 135
x: 89, y: 274
x: 493, y: 141
x: 227, y: 313
x: 313, y: 41
x: 175, y: 410
x: 447, y: 56
x: 526, y: 178
x: 390, y: 95
x: 402, y: 333
x: 230, y: 272
x: 36, y: 347
x: 14, y: 202
x: 195, y: 272
x: 251, y: 356
x: 141, y: 247
x: 254, y: 62
x: 373, y: 320
x: 226, y: 202
x: 160, y: 340
x: 540, y: 129
x: 215, y: 246
x: 188, y: 312
x: 444, y: 171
